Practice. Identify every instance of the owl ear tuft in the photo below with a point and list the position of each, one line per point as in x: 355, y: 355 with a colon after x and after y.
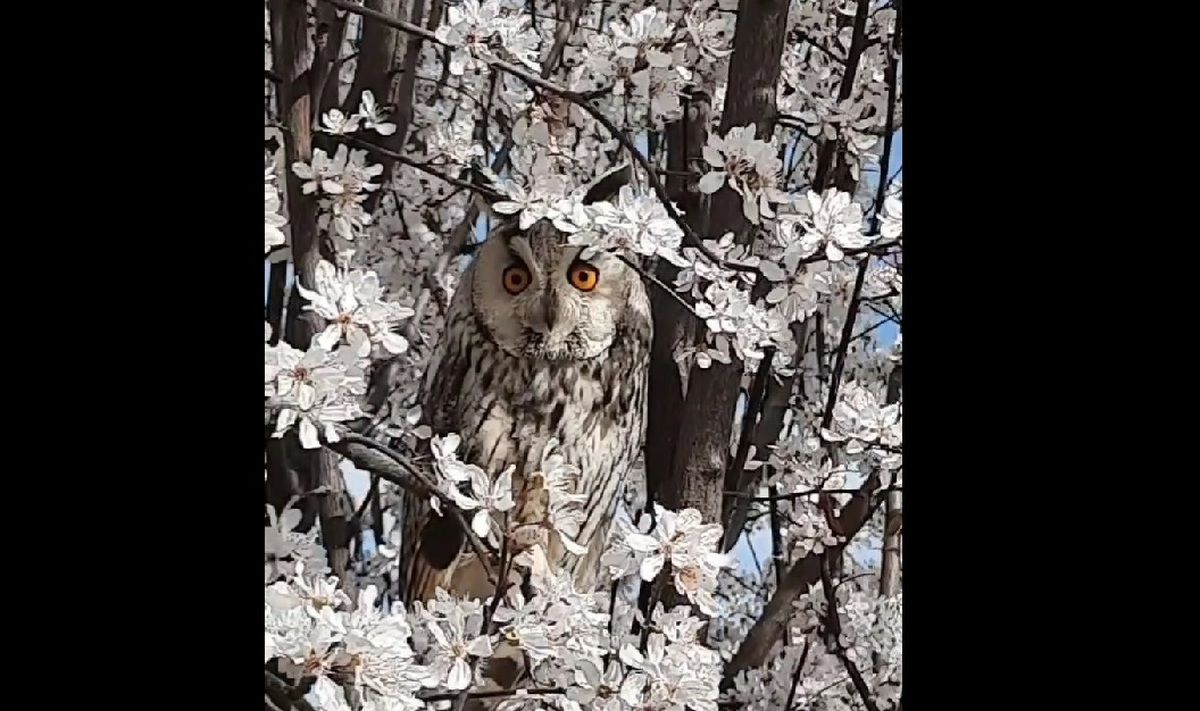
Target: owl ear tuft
x: 609, y: 184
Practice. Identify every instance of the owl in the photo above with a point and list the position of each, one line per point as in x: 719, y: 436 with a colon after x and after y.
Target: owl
x: 540, y: 345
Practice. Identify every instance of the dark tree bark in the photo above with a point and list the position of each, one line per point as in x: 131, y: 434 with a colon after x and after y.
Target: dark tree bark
x: 275, y: 286
x: 672, y: 324
x: 402, y: 98
x: 697, y: 475
x: 296, y: 471
x: 377, y: 52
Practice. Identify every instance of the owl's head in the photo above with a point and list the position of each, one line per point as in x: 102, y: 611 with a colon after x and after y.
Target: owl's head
x: 539, y: 298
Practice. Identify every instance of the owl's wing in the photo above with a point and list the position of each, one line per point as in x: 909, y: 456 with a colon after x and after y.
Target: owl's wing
x: 432, y: 544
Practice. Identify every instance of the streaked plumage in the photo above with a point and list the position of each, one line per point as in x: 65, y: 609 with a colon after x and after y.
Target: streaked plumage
x: 511, y: 372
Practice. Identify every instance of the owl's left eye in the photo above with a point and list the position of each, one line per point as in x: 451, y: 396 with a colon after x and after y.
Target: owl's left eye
x: 583, y: 276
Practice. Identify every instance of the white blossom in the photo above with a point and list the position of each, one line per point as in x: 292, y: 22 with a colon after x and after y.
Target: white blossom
x: 351, y: 302
x: 750, y: 166
x: 372, y: 116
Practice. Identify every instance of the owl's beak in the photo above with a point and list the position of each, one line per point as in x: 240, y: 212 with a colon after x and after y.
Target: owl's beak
x: 550, y: 309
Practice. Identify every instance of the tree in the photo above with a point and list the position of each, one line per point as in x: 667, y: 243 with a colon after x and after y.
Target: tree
x: 746, y: 150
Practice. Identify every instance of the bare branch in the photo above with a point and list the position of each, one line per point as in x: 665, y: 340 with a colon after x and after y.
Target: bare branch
x: 367, y: 145
x: 803, y: 574
x: 657, y: 282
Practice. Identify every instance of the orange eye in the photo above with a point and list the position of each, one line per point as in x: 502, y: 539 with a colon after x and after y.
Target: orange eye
x: 584, y: 277
x: 516, y: 279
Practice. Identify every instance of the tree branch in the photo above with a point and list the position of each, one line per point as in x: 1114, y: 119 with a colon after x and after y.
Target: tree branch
x: 833, y: 621
x: 390, y: 465
x: 803, y: 574
x: 404, y: 160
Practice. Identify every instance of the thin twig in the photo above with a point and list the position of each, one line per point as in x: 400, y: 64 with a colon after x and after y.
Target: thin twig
x: 754, y: 403
x: 834, y: 624
x: 404, y: 160
x: 362, y: 508
x: 658, y: 282
x: 797, y: 673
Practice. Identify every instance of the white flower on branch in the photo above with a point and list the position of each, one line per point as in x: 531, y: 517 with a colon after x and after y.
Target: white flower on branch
x: 560, y: 628
x: 749, y: 165
x: 287, y: 549
x: 325, y: 695
x: 709, y: 30
x: 859, y: 417
x: 377, y: 650
x: 548, y: 198
x: 343, y: 180
x: 454, y: 627
x: 639, y: 223
x: 675, y: 672
x: 320, y: 172
x: 837, y: 221
x: 470, y: 27
x: 315, y: 389
x: 647, y: 31
x: 337, y: 123
x: 723, y: 307
x: 372, y: 115
x: 892, y: 220
x: 350, y: 301
x: 301, y: 627
x: 691, y: 548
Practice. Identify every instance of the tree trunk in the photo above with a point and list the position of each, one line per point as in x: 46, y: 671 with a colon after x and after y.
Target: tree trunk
x: 673, y: 325
x: 697, y: 474
x: 402, y: 98
x: 297, y: 471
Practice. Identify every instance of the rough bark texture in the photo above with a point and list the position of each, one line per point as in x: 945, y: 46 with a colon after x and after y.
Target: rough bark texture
x: 294, y: 470
x: 402, y: 98
x: 697, y: 474
x: 377, y: 52
x: 275, y: 286
x: 673, y: 325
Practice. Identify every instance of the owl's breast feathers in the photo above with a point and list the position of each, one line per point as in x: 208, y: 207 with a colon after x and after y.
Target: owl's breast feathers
x: 506, y: 409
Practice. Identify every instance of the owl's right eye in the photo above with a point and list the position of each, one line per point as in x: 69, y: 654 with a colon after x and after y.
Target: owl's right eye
x: 516, y: 279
